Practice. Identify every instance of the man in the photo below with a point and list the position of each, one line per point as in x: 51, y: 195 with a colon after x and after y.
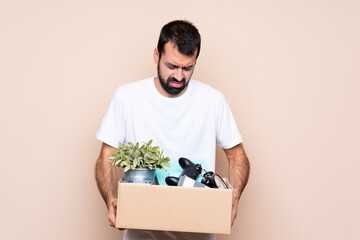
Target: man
x: 186, y: 118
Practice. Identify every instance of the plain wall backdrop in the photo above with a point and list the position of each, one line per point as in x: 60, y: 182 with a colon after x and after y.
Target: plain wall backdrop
x: 289, y: 70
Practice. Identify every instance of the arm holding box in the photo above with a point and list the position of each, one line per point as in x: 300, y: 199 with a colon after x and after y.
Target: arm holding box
x: 239, y: 168
x: 107, y: 181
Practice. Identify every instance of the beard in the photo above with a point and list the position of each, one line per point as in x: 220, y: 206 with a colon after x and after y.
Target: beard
x: 165, y: 84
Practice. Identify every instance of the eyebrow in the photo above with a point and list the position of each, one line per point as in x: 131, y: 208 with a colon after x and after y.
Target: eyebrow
x: 176, y: 66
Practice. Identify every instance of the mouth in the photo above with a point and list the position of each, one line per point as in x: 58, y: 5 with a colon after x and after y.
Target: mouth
x: 176, y: 84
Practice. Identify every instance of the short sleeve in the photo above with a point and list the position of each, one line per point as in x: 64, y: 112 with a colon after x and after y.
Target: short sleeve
x: 112, y: 128
x: 227, y: 133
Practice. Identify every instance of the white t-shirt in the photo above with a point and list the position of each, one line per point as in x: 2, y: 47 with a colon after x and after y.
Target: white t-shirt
x: 186, y: 126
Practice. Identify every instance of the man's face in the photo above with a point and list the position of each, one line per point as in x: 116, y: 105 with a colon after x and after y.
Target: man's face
x: 174, y: 70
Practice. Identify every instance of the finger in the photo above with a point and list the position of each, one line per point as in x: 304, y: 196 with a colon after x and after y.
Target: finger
x: 112, y: 212
x: 112, y: 219
x: 233, y: 219
x: 233, y: 214
x: 111, y: 224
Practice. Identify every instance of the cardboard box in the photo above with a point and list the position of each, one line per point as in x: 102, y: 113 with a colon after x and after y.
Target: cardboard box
x: 169, y: 208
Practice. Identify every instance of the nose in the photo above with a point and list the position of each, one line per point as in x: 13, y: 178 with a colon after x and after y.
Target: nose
x: 178, y: 74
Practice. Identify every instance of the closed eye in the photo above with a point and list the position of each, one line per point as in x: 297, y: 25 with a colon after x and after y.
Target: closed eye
x: 171, y: 66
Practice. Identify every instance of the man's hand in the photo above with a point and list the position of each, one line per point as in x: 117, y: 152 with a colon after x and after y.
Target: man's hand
x: 107, y: 182
x: 235, y: 203
x: 239, y: 168
x: 112, y: 205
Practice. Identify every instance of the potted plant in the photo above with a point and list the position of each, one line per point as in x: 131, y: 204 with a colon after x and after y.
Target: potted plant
x: 139, y: 161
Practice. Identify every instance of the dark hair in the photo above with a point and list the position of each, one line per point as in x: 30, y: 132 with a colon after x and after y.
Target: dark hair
x: 183, y: 34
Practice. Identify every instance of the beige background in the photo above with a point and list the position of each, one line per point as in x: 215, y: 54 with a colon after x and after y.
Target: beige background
x: 289, y: 69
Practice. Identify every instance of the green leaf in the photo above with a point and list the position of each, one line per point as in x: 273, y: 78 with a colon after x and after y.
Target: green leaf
x: 135, y: 162
x: 131, y: 156
x: 137, y: 153
x: 117, y: 162
x: 123, y: 164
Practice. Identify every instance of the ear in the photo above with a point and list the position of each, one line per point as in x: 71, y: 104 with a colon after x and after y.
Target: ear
x: 156, y: 56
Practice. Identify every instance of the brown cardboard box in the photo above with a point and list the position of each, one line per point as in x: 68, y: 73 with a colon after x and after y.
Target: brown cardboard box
x: 154, y: 207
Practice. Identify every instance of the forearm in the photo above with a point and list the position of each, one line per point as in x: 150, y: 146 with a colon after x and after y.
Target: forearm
x: 104, y: 176
x: 239, y: 169
x: 106, y: 179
